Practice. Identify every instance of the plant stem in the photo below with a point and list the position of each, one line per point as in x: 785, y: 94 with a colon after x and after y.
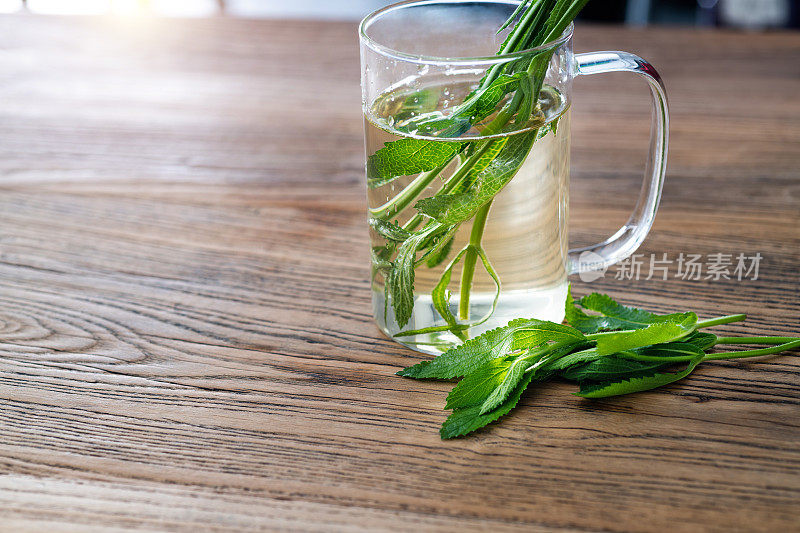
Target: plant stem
x: 721, y: 320
x: 452, y: 182
x: 538, y: 65
x: 471, y: 259
x: 527, y: 33
x: 753, y: 353
x: 790, y: 344
x: 408, y: 194
x: 627, y: 354
x: 706, y: 324
x: 755, y: 340
x: 516, y: 41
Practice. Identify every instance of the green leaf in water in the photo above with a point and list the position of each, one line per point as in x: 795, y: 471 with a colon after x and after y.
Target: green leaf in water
x: 400, y: 280
x: 440, y: 255
x: 408, y: 156
x: 388, y: 230
x: 418, y: 103
x: 457, y: 208
x: 440, y: 297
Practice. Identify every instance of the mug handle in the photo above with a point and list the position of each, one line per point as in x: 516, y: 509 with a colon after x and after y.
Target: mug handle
x: 625, y: 241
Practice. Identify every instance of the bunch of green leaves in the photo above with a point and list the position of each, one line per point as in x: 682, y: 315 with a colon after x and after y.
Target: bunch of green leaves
x: 508, y: 92
x: 608, y: 349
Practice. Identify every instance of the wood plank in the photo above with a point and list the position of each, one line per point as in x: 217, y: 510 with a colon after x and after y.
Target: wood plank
x: 185, y: 330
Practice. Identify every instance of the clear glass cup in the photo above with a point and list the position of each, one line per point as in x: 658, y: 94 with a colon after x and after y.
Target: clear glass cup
x: 451, y: 256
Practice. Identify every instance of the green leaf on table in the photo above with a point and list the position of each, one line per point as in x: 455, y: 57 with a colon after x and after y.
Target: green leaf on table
x: 388, y: 230
x: 468, y: 419
x: 636, y: 384
x: 407, y: 156
x: 611, y: 368
x: 612, y: 315
x: 573, y: 314
x: 574, y: 358
x: 671, y: 349
x: 702, y: 340
x: 465, y: 358
x: 479, y: 384
x: 577, y: 360
x: 514, y: 374
x: 537, y: 332
x: 656, y: 333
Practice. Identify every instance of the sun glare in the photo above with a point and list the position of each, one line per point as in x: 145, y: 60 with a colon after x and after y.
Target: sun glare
x: 10, y: 6
x: 167, y: 8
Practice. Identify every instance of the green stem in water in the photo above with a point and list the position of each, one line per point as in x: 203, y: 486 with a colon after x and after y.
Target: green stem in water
x: 415, y: 188
x: 519, y: 39
x: 421, y: 182
x: 408, y: 194
x: 452, y: 182
x: 471, y: 259
x: 479, y: 222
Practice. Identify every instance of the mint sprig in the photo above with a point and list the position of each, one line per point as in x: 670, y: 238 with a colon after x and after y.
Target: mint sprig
x: 504, y: 101
x: 608, y: 349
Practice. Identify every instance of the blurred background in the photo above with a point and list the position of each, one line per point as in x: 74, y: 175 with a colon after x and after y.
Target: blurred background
x: 747, y: 14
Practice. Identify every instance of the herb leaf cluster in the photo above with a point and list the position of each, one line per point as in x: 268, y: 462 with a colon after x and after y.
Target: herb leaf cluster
x: 504, y: 101
x: 607, y: 348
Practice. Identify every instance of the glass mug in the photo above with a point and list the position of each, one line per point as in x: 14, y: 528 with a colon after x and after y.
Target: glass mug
x: 451, y: 256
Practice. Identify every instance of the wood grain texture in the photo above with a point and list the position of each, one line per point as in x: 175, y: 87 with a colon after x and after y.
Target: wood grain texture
x: 185, y: 331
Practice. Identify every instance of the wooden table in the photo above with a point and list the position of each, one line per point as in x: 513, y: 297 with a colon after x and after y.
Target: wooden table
x: 184, y: 306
